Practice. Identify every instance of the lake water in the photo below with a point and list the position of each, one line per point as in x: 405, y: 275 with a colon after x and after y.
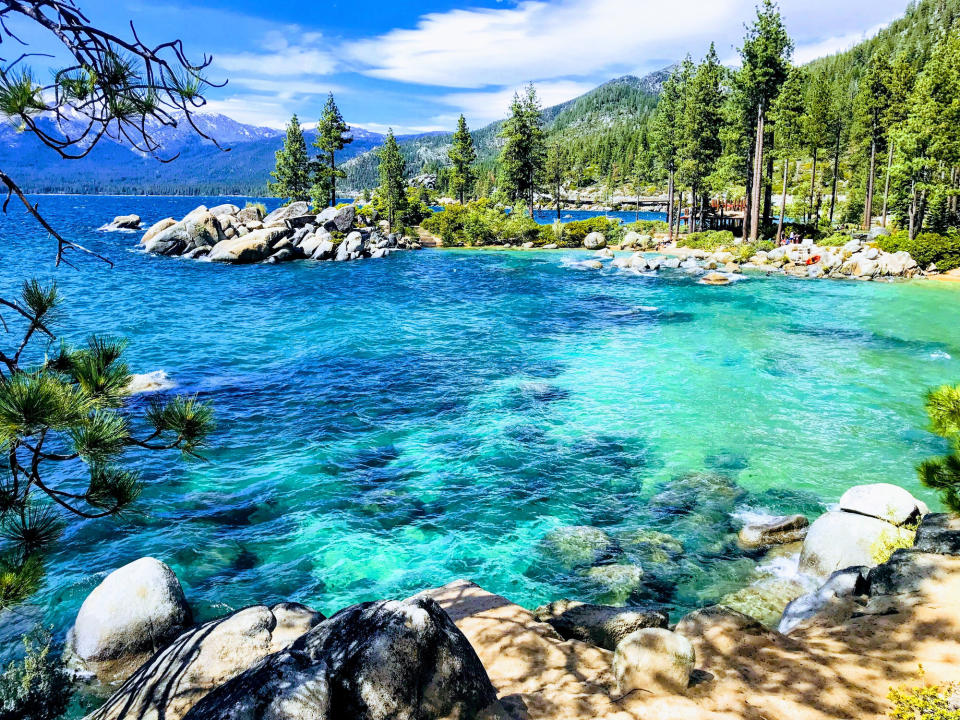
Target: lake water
x: 386, y: 426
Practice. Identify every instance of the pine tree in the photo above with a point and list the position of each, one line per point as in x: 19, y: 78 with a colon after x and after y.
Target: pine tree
x: 462, y: 155
x: 292, y: 172
x: 553, y: 175
x: 702, y: 119
x: 787, y: 114
x: 524, y: 149
x: 818, y: 119
x: 666, y: 134
x: 903, y: 76
x: 332, y: 136
x: 766, y: 60
x: 393, y: 183
x: 872, y: 102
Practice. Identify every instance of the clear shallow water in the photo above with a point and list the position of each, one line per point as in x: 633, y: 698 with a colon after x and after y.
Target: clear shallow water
x: 386, y: 426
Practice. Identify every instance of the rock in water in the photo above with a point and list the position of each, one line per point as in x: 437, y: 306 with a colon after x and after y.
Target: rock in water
x: 595, y: 241
x: 881, y: 500
x: 653, y: 660
x: 599, y: 625
x: 252, y: 247
x: 123, y: 222
x: 134, y: 612
x: 575, y: 545
x: 715, y: 278
x: 156, y: 229
x: 339, y: 219
x: 373, y: 661
x: 839, y: 540
x: 280, y: 215
x: 204, y: 658
x: 197, y: 229
x: 774, y: 531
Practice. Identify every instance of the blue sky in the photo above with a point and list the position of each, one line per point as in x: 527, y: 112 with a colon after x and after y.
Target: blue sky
x: 415, y: 66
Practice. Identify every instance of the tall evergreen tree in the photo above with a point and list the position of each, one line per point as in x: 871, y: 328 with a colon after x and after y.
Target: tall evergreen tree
x: 787, y: 114
x: 667, y: 135
x: 462, y: 154
x: 393, y: 183
x: 332, y: 136
x: 872, y: 103
x: 524, y: 148
x: 553, y: 176
x: 702, y: 119
x: 292, y: 173
x: 766, y: 53
x: 903, y: 76
x: 817, y: 125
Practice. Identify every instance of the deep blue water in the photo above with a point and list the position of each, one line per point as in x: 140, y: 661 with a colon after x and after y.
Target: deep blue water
x: 385, y: 426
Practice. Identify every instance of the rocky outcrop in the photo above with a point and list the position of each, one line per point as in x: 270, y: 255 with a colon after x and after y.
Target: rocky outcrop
x: 653, y: 660
x: 228, y: 234
x: 599, y: 625
x: 135, y: 611
x: 123, y: 222
x: 857, y: 259
x: 939, y: 533
x: 205, y: 657
x: 373, y: 661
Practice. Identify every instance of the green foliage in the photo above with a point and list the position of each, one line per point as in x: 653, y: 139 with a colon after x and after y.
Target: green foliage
x: 70, y: 412
x: 575, y: 232
x: 943, y: 473
x: 292, y: 173
x: 38, y: 687
x: 835, y: 240
x: 332, y: 136
x: 647, y: 227
x: 259, y: 206
x: 524, y: 149
x: 926, y: 248
x: 891, y: 540
x: 462, y: 155
x: 393, y: 185
x: 924, y: 702
x: 709, y: 240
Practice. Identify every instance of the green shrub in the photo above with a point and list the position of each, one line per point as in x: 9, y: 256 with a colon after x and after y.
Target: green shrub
x: 926, y: 248
x: 924, y: 702
x: 647, y: 227
x: 709, y: 240
x: 575, y: 232
x: 38, y: 686
x: 835, y: 240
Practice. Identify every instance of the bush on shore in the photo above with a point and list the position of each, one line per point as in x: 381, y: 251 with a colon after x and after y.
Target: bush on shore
x: 925, y: 702
x: 709, y: 240
x: 926, y: 248
x: 38, y: 687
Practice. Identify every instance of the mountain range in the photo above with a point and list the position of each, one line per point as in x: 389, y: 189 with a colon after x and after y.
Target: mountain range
x: 200, y: 168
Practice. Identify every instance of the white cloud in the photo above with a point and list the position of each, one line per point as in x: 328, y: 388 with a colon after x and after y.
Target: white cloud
x: 830, y: 46
x: 286, y: 87
x: 541, y: 40
x: 260, y: 110
x: 481, y: 108
x: 282, y: 59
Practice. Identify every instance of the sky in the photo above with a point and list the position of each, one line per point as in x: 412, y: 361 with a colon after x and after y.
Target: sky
x: 415, y: 66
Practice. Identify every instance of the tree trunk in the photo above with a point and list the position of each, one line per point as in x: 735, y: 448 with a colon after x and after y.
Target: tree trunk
x: 680, y: 213
x: 836, y: 169
x: 868, y: 206
x: 768, y: 186
x: 886, y: 186
x: 670, y: 192
x: 783, y: 202
x: 813, y: 188
x: 333, y: 180
x: 558, y: 200
x: 757, y: 179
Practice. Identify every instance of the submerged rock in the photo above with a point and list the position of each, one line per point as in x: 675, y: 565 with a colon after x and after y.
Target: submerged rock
x: 579, y: 545
x: 773, y: 531
x: 616, y: 582
x: 373, y: 661
x: 135, y: 611
x: 204, y: 658
x: 600, y: 625
x: 765, y: 599
x: 653, y: 660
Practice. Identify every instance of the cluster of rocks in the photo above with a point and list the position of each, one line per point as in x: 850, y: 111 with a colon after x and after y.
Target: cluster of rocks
x: 226, y: 233
x: 369, y: 661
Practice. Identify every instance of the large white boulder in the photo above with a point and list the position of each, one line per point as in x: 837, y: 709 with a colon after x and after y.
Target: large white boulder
x: 282, y: 214
x: 249, y: 248
x: 653, y: 660
x: 135, y: 611
x: 881, y: 500
x: 594, y: 241
x: 838, y: 540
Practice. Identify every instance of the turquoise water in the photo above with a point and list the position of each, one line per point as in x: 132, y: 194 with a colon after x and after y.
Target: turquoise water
x: 386, y: 426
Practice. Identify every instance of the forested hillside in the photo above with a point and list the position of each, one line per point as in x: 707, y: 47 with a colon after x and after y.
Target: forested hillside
x: 599, y: 131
